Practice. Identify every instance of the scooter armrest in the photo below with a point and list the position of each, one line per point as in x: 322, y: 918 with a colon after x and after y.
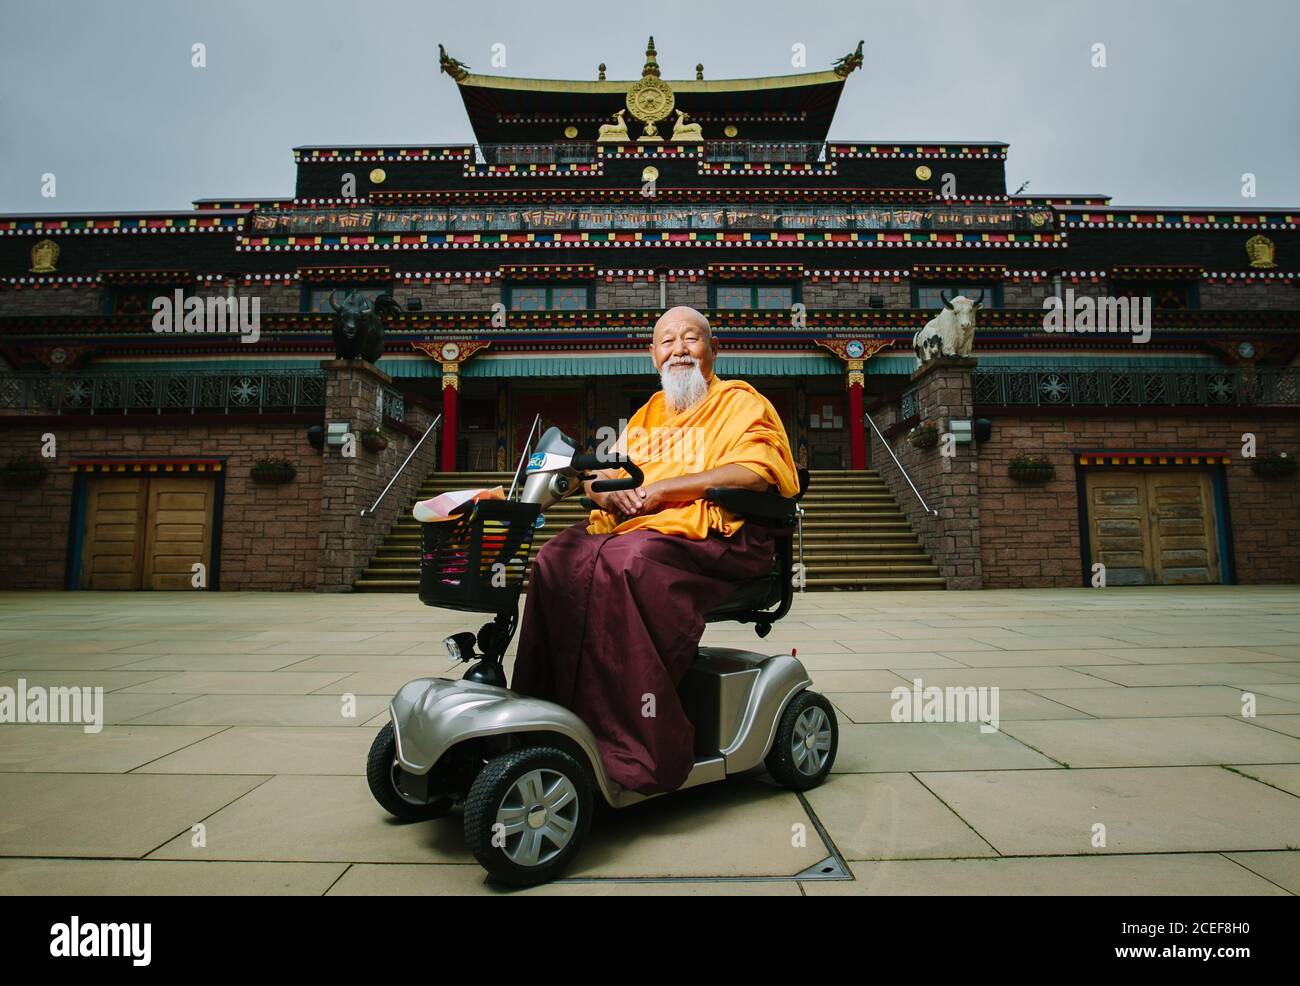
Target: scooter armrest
x: 751, y: 503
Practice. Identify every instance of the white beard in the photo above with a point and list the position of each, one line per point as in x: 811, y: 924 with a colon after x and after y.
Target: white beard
x: 683, y: 388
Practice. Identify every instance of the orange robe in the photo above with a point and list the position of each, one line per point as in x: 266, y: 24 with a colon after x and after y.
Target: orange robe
x: 733, y: 424
x: 615, y: 611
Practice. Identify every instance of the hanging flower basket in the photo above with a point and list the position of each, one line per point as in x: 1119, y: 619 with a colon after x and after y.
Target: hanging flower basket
x: 1030, y: 469
x: 1276, y: 465
x: 273, y: 471
x: 22, y: 473
x: 374, y: 440
x: 923, y: 436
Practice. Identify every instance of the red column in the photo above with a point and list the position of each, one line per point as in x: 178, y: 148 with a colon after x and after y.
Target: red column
x: 450, y: 394
x: 857, y: 427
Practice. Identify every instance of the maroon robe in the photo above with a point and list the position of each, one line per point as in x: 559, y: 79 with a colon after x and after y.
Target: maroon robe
x: 613, y: 618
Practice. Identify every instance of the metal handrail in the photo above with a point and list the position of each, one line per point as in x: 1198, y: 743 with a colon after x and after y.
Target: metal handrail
x: 415, y: 448
x: 885, y: 443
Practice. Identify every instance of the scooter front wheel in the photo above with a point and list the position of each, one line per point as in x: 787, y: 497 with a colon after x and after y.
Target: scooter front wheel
x: 527, y: 814
x: 807, y: 738
x: 385, y: 777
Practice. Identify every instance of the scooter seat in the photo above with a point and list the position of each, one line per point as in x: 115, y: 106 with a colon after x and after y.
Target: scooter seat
x: 756, y: 594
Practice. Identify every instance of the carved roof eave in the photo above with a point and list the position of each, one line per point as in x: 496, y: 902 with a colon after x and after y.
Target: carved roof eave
x: 618, y: 87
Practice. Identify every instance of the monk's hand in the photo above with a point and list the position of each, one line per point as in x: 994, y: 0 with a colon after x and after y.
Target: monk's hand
x: 652, y: 498
x: 624, y: 502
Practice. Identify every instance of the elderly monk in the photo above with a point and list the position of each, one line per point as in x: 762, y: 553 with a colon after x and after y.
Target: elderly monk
x: 616, y: 607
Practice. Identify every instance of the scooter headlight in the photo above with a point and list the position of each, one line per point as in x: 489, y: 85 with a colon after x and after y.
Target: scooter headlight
x: 460, y: 646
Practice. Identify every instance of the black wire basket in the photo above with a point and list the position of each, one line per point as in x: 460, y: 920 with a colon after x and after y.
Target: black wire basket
x: 478, y: 561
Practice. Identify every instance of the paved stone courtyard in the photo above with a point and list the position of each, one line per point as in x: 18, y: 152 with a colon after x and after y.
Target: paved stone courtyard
x: 1120, y: 708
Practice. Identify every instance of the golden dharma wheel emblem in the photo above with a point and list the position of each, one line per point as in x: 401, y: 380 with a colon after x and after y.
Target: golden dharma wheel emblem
x: 650, y: 100
x: 378, y: 176
x: 1260, y: 250
x: 923, y: 173
x: 730, y: 130
x: 45, y: 257
x: 650, y: 173
x: 570, y: 132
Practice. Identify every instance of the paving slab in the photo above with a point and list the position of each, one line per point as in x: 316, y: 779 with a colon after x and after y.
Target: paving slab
x: 1143, y: 809
x: 112, y: 750
x: 1183, y: 874
x: 167, y: 878
x: 112, y: 815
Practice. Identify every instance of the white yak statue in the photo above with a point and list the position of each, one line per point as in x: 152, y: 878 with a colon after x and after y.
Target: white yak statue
x: 951, y: 332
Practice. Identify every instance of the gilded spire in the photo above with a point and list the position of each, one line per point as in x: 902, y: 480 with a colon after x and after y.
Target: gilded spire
x: 651, y: 67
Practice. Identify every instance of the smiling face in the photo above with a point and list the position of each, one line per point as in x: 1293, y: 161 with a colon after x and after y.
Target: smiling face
x: 683, y: 350
x: 680, y: 336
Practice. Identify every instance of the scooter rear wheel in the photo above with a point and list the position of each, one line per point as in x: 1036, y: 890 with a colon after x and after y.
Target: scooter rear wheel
x: 384, y: 775
x: 527, y: 814
x: 807, y: 738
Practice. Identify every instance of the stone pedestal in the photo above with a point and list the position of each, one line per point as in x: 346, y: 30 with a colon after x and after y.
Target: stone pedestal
x: 948, y: 483
x: 349, y: 484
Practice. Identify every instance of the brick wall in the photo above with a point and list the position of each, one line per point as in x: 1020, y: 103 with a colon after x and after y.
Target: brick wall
x: 1029, y: 533
x: 269, y: 533
x: 1250, y: 294
x: 450, y: 297
x: 639, y: 293
x: 846, y: 294
x: 51, y: 301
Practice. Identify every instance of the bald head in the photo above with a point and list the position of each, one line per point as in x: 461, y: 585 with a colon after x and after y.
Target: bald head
x: 683, y: 350
x: 682, y: 332
x: 682, y: 315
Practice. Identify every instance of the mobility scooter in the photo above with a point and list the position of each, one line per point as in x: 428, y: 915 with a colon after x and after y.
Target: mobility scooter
x: 526, y: 770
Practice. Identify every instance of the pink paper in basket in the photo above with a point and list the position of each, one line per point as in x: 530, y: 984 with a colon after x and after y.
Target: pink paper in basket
x: 447, y: 506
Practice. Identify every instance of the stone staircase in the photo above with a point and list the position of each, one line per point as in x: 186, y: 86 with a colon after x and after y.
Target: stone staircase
x: 854, y: 535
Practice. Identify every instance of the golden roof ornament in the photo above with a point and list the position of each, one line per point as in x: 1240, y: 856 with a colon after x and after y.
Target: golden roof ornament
x: 650, y: 99
x: 45, y: 256
x: 601, y: 77
x: 613, y: 133
x: 845, y: 65
x: 699, y: 72
x: 684, y: 132
x: 456, y: 69
x: 1260, y: 250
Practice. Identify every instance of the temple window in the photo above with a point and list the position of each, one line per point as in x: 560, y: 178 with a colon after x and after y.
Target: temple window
x: 548, y: 297
x: 316, y: 297
x: 928, y: 297
x: 137, y: 299
x: 1165, y: 295
x: 762, y: 296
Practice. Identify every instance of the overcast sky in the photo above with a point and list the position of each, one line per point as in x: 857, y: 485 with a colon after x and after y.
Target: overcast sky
x: 101, y: 93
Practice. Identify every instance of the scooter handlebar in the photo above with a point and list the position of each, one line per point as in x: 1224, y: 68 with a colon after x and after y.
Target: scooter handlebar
x: 590, y: 461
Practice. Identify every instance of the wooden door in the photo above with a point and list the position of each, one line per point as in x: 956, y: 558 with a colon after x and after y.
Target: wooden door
x: 178, y: 530
x: 114, y: 541
x: 1153, y: 528
x: 146, y: 532
x: 1184, y: 535
x: 1117, y: 526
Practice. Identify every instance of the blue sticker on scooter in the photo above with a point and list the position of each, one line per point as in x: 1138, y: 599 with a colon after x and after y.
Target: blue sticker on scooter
x: 536, y: 461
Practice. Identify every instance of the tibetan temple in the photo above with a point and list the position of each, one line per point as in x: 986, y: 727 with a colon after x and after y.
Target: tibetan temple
x: 521, y: 275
